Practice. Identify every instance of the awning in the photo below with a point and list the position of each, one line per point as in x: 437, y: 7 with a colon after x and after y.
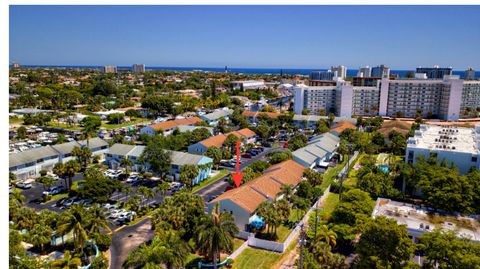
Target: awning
x: 257, y: 222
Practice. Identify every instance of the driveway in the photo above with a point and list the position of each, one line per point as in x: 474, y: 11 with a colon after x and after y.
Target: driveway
x: 127, y: 239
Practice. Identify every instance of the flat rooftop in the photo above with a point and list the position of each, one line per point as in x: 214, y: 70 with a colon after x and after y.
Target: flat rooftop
x: 447, y: 138
x: 423, y: 219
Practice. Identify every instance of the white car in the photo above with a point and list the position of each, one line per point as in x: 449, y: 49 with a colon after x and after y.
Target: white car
x: 133, y: 178
x: 54, y: 176
x: 24, y: 185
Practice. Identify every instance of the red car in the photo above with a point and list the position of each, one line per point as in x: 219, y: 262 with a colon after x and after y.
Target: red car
x: 247, y: 155
x: 285, y: 145
x: 229, y: 187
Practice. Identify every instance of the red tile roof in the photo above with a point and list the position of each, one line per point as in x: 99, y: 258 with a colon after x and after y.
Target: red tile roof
x: 217, y: 140
x: 251, y: 194
x: 167, y: 125
x: 255, y: 114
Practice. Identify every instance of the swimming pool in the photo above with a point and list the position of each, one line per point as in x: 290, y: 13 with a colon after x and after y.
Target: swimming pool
x: 384, y: 168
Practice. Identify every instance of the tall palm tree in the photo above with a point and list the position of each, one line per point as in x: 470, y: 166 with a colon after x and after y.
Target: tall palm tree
x: 68, y: 262
x: 215, y: 234
x: 187, y: 174
x: 287, y: 192
x: 143, y: 191
x: 126, y: 163
x: 166, y: 248
x: 70, y: 168
x: 97, y: 219
x: 40, y: 235
x: 74, y: 220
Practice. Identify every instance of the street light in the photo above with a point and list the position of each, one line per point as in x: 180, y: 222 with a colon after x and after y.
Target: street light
x: 302, y: 241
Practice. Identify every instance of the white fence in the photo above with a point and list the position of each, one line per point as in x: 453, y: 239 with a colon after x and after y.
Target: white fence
x: 278, y: 246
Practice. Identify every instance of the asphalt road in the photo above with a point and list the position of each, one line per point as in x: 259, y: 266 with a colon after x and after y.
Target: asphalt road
x: 128, y: 238
x: 36, y: 191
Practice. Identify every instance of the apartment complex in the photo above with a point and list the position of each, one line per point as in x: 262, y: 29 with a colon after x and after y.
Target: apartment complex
x: 435, y: 72
x: 364, y: 72
x: 445, y: 98
x: 380, y: 71
x: 339, y: 71
x: 469, y: 74
x: 138, y: 68
x: 446, y: 143
x: 322, y: 75
x: 109, y: 69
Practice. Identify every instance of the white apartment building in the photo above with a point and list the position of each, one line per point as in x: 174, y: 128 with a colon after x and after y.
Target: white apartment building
x: 339, y: 71
x: 109, y: 69
x: 317, y: 99
x: 446, y: 143
x: 470, y: 99
x: 248, y: 85
x: 434, y: 98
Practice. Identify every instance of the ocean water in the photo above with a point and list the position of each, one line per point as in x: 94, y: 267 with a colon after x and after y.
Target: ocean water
x: 289, y: 71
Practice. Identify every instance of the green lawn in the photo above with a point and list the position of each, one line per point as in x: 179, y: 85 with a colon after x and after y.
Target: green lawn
x: 57, y: 197
x: 329, y: 204
x: 331, y: 173
x: 252, y: 258
x: 15, y: 120
x: 114, y: 126
x: 237, y: 243
x: 209, y: 181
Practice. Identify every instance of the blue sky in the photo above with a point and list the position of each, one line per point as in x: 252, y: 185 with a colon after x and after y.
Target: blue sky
x: 403, y: 37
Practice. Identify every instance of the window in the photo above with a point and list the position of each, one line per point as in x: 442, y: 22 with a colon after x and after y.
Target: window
x: 474, y: 159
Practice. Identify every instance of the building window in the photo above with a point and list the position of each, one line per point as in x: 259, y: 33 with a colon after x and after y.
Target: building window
x: 474, y: 159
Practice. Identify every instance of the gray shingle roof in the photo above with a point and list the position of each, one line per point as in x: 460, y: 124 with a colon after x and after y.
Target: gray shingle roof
x: 189, y: 128
x: 66, y: 148
x: 181, y: 158
x: 120, y: 149
x: 217, y: 114
x: 94, y: 142
x: 31, y: 155
x: 317, y: 148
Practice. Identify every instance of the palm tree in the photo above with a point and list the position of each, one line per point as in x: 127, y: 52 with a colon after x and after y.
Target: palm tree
x: 69, y: 170
x: 83, y: 154
x: 68, y: 262
x: 97, y: 219
x: 59, y: 169
x: 143, y: 191
x: 126, y: 163
x: 166, y: 248
x: 287, y: 192
x: 46, y: 181
x: 74, y: 220
x: 188, y: 173
x: 215, y: 234
x: 40, y: 235
x: 327, y: 235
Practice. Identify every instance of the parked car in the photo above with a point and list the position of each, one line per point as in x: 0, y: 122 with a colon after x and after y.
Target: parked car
x: 212, y: 197
x: 54, y: 176
x: 24, y: 185
x: 133, y: 178
x: 253, y: 152
x: 36, y: 201
x: 60, y: 202
x: 247, y: 155
x: 177, y: 187
x: 69, y: 202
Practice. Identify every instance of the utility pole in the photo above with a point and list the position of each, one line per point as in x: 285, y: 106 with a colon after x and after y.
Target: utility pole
x: 301, y: 242
x: 316, y: 222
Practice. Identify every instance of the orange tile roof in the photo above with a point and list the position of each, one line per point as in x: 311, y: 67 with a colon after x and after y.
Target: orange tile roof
x: 255, y: 114
x: 251, y: 194
x: 342, y: 125
x: 167, y: 125
x: 217, y: 140
x: 214, y: 141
